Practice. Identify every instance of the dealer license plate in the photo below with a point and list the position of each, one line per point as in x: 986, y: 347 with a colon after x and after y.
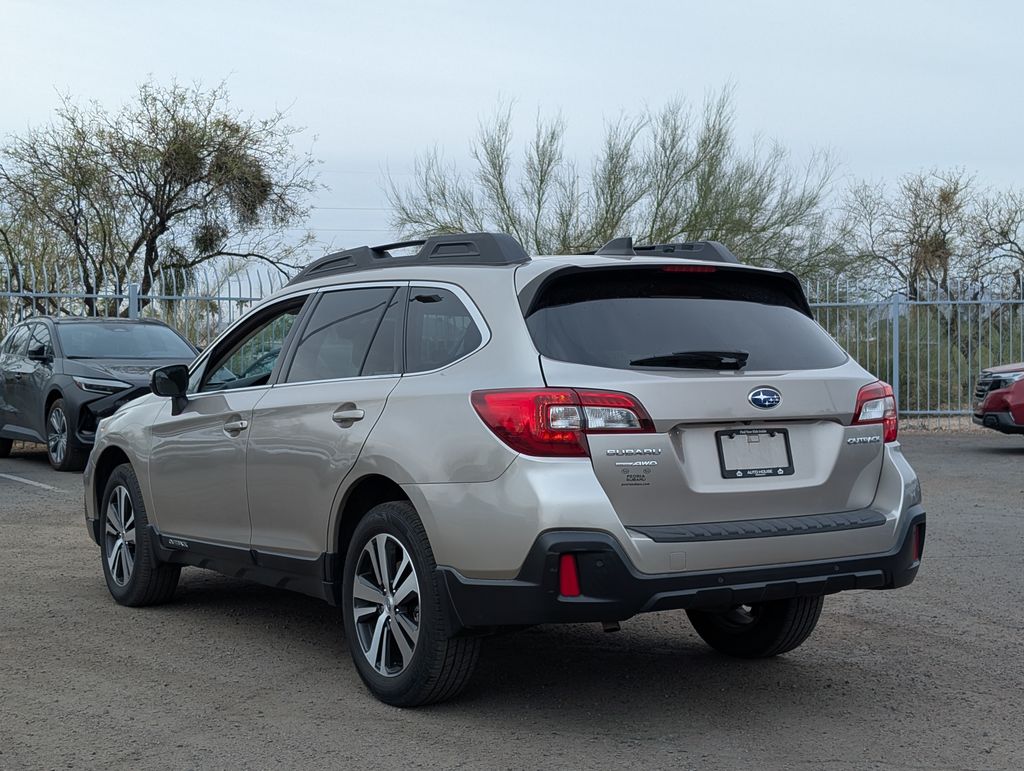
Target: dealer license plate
x: 754, y: 452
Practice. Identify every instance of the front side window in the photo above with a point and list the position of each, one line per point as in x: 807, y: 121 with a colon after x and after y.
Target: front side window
x: 439, y: 330
x: 249, y: 359
x: 39, y: 344
x: 16, y: 341
x: 336, y: 343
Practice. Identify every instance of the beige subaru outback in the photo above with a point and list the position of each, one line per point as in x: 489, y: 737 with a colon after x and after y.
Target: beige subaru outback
x: 463, y: 440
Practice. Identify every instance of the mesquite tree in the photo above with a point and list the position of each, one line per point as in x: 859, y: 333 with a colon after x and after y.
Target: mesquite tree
x: 173, y: 179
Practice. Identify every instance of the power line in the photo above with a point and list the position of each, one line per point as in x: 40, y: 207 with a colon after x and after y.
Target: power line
x: 354, y: 208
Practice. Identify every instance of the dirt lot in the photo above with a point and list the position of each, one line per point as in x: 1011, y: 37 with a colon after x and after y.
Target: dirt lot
x: 233, y: 675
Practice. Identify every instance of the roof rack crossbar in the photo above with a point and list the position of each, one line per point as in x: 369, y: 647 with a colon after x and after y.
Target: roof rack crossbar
x: 449, y: 249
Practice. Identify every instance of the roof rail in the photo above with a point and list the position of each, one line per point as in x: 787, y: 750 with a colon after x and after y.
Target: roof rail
x: 451, y: 249
x: 710, y: 251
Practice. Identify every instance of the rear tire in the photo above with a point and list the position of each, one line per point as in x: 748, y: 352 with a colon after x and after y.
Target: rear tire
x: 395, y: 624
x: 5, y: 447
x: 758, y: 631
x: 134, y: 575
x: 62, y: 451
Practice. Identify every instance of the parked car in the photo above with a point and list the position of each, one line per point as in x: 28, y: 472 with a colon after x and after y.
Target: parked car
x: 999, y: 399
x: 467, y: 440
x: 59, y: 376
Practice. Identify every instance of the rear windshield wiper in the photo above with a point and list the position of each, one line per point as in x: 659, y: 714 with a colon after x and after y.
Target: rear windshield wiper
x: 696, y: 360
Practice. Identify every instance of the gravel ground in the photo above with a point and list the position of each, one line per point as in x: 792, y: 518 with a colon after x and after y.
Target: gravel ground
x: 233, y: 675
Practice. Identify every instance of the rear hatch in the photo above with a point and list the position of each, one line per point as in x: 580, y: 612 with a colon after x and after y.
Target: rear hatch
x: 750, y: 399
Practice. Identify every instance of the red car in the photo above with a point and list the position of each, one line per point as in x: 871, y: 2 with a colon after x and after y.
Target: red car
x: 999, y: 399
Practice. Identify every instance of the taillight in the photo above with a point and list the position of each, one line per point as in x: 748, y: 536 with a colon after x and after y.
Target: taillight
x: 876, y: 404
x: 554, y: 422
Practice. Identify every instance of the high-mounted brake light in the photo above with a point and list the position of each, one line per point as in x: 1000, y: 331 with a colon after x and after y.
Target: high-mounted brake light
x: 689, y: 269
x: 554, y: 422
x: 876, y: 404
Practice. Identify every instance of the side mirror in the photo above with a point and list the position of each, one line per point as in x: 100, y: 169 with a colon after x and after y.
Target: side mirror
x: 171, y: 381
x: 39, y: 354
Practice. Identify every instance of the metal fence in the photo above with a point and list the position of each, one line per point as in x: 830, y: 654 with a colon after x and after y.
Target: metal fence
x: 930, y: 344
x: 199, y: 306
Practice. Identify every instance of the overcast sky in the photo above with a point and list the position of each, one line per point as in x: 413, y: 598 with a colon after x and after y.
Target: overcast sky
x: 891, y: 87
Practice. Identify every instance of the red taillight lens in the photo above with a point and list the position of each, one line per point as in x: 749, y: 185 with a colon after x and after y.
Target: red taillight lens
x: 568, y: 576
x: 918, y: 543
x: 876, y: 404
x: 554, y: 422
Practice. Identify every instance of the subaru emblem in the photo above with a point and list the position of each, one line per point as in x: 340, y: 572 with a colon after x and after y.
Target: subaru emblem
x: 765, y: 397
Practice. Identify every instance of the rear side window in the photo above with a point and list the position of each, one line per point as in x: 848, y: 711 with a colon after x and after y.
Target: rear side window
x: 439, y: 330
x: 336, y: 341
x: 610, y: 318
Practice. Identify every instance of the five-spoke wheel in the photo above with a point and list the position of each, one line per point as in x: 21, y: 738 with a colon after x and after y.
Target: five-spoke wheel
x: 119, y: 533
x: 395, y: 621
x: 134, y: 574
x: 386, y: 605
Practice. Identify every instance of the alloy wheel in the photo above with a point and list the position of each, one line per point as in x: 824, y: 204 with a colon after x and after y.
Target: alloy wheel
x: 386, y: 605
x: 57, y: 435
x: 120, y: 535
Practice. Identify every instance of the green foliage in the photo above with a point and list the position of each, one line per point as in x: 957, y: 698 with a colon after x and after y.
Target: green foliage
x: 171, y: 180
x: 668, y: 175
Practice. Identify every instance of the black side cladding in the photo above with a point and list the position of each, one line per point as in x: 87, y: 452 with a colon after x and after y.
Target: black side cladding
x: 455, y: 249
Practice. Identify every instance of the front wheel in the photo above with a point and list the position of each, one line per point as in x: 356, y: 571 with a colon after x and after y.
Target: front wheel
x: 394, y: 621
x: 134, y: 575
x: 761, y: 630
x: 64, y: 454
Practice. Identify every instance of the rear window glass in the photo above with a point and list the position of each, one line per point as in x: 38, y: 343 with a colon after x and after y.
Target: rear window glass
x: 609, y: 318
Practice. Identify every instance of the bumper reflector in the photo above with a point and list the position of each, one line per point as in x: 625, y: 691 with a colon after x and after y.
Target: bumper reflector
x: 568, y: 576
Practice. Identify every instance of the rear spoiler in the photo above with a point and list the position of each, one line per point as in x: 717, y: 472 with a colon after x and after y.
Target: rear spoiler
x: 739, y: 278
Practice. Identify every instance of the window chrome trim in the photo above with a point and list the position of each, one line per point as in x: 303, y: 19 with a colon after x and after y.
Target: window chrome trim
x: 458, y: 291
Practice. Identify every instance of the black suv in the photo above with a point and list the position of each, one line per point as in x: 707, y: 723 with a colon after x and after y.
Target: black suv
x: 59, y: 376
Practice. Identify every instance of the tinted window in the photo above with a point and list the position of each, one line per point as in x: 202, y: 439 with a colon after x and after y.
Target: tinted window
x: 248, y: 358
x: 112, y: 340
x: 385, y: 356
x: 439, y: 330
x: 610, y: 318
x: 39, y: 341
x: 15, y: 343
x: 335, y: 342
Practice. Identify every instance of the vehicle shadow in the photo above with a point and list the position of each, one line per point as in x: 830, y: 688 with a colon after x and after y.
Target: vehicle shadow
x: 1005, y: 449
x: 653, y: 674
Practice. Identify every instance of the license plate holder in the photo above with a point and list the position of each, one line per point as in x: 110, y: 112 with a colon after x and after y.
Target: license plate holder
x: 754, y: 452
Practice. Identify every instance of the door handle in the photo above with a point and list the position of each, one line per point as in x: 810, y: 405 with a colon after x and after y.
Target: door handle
x: 234, y: 426
x: 346, y: 417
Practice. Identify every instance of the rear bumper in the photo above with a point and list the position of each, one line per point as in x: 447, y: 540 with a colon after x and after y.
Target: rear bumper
x: 614, y: 590
x: 999, y: 421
